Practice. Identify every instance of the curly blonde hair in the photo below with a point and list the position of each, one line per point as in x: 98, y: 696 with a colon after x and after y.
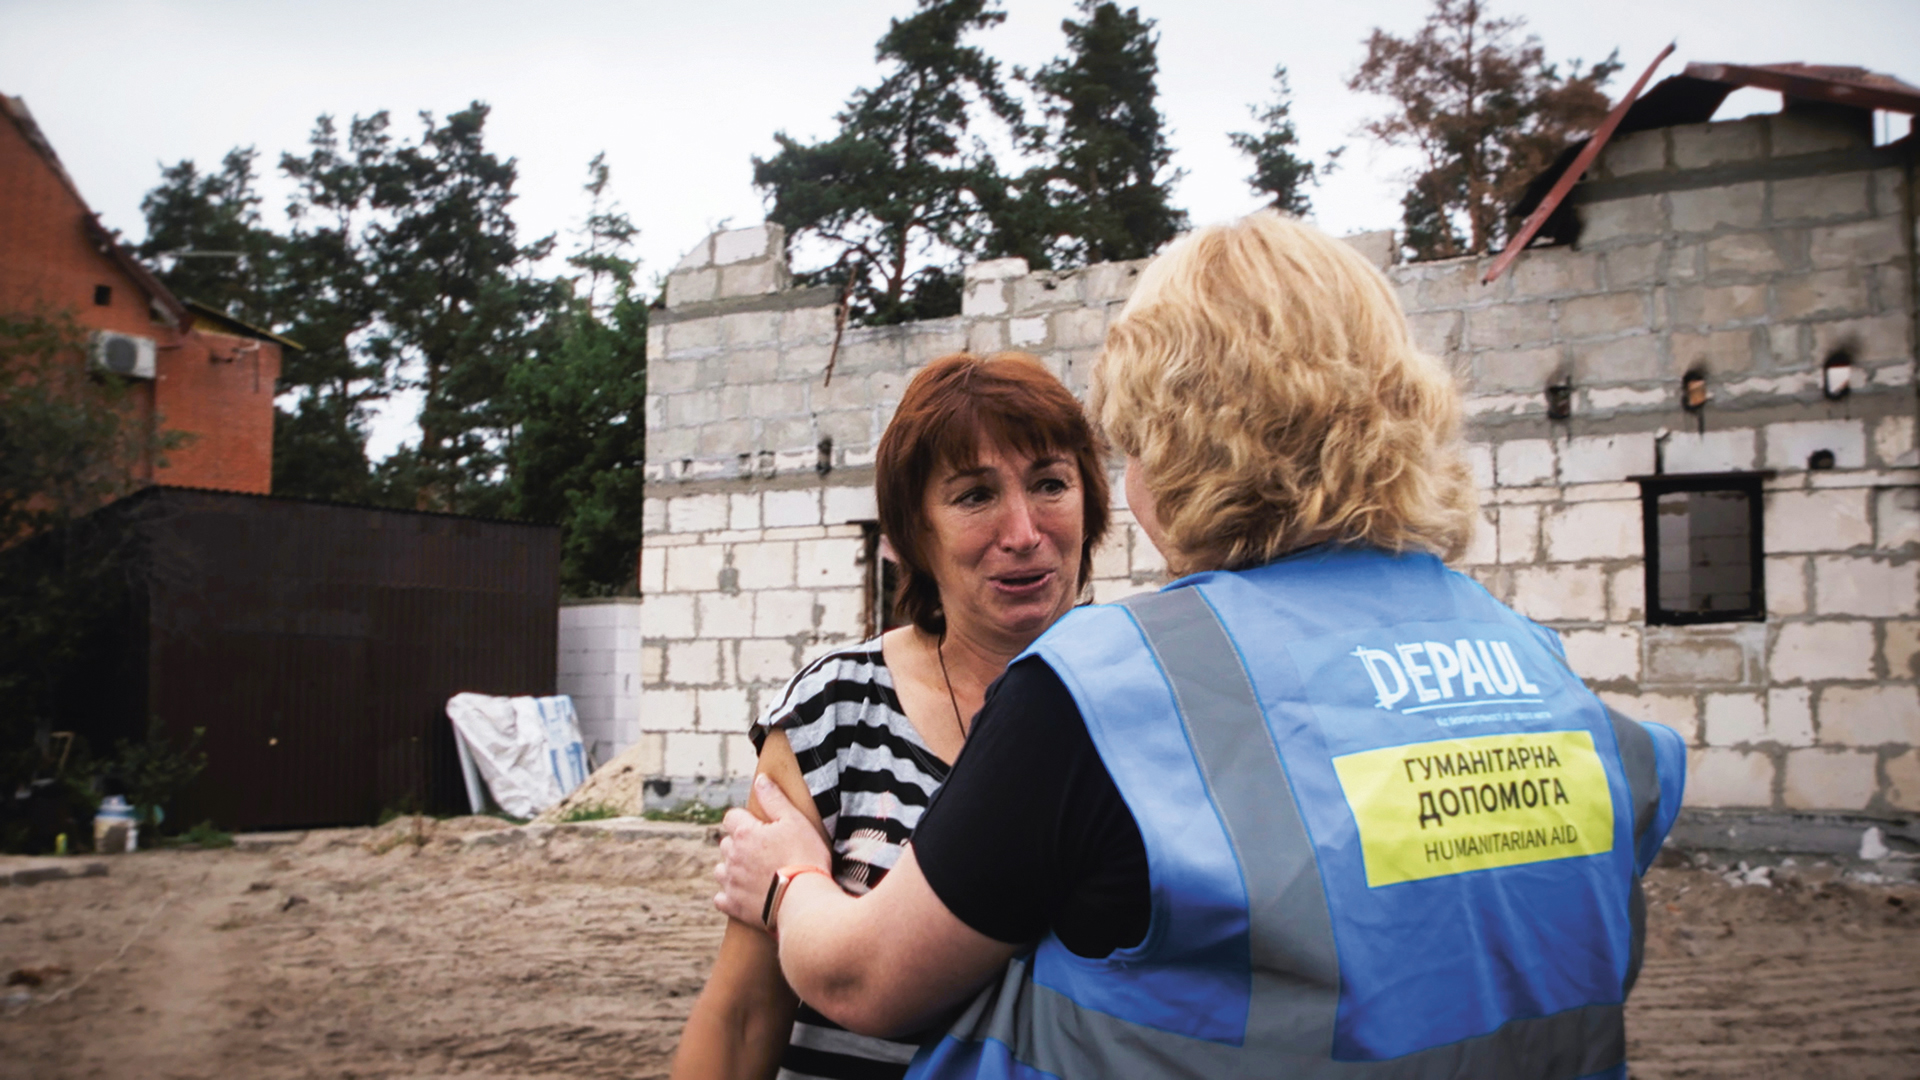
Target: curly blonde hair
x: 1263, y: 376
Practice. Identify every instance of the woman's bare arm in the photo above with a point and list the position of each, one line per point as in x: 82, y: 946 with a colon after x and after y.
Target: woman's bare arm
x: 880, y: 964
x: 742, y: 1020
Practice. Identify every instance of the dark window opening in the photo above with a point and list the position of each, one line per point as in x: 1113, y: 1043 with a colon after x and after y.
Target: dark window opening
x: 1705, y: 559
x: 102, y: 295
x: 882, y: 583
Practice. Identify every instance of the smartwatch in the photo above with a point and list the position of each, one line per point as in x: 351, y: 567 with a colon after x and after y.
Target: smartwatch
x: 777, y: 890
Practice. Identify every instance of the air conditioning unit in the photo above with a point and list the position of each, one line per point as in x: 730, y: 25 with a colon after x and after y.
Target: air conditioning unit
x: 127, y: 355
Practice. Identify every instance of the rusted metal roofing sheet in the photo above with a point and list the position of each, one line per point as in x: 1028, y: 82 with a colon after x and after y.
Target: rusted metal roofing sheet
x: 1692, y: 97
x: 1854, y: 86
x: 1573, y: 172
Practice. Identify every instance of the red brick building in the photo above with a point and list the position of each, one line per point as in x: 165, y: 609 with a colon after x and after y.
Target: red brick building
x: 195, y: 370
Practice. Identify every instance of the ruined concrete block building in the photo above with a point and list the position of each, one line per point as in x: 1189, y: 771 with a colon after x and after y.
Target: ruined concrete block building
x: 1692, y: 422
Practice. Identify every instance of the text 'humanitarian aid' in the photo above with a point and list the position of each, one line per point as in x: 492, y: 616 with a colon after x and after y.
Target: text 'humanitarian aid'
x: 1429, y: 809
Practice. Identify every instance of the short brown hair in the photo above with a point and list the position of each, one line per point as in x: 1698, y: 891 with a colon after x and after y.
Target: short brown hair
x: 1263, y: 375
x: 951, y: 408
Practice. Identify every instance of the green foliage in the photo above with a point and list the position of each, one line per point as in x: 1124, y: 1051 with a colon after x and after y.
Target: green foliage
x: 153, y: 771
x: 401, y: 270
x: 206, y: 835
x: 313, y: 284
x: 205, y: 238
x: 609, y: 233
x: 906, y: 191
x: 1486, y: 114
x: 1107, y: 182
x: 331, y: 307
x: 691, y: 812
x: 70, y: 442
x: 1427, y: 228
x: 320, y: 450
x: 593, y: 811
x: 1280, y: 174
x: 460, y: 304
x: 67, y: 445
x: 900, y: 196
x: 578, y: 451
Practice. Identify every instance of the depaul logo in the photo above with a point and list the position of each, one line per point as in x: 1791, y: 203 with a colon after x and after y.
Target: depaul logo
x: 1436, y: 674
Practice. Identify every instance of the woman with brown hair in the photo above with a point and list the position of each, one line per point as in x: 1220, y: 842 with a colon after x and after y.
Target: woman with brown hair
x: 992, y: 496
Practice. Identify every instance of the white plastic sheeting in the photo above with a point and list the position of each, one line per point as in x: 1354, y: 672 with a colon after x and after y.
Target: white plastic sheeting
x: 527, y: 749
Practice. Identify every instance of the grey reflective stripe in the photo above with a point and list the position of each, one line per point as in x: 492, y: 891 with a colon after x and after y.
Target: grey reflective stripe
x: 1637, y: 945
x: 1643, y: 787
x: 1295, y: 996
x: 865, y: 1047
x: 1295, y: 991
x: 1055, y: 1034
x: 1643, y: 778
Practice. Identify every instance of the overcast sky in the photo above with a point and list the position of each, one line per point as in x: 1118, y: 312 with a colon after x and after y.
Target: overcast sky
x: 681, y: 95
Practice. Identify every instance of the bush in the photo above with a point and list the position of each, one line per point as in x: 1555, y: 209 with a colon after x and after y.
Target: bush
x: 591, y: 811
x: 152, y: 772
x: 695, y: 813
x: 68, y: 435
x: 206, y: 835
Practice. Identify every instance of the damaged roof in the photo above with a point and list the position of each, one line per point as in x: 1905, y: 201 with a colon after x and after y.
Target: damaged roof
x: 1855, y: 86
x: 1694, y: 95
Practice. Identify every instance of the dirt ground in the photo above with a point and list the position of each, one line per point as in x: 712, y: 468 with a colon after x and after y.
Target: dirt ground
x: 464, y: 949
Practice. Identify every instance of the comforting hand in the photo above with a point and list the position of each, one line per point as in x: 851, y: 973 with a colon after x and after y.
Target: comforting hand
x: 752, y: 850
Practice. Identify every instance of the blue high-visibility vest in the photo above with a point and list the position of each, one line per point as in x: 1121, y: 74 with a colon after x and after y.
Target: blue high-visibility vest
x: 1388, y: 833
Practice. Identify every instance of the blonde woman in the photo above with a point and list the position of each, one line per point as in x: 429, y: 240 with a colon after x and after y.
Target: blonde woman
x: 1385, y: 829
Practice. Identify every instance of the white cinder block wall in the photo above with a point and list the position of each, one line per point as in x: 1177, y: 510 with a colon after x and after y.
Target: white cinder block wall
x: 1749, y: 251
x: 600, y: 669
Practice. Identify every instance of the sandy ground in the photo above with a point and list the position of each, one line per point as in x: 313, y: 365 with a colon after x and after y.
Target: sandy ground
x: 460, y: 949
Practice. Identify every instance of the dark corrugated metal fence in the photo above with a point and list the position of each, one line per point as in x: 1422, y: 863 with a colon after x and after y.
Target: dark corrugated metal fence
x: 317, y: 645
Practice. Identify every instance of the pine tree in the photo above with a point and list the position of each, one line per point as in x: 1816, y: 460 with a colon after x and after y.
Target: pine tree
x: 205, y: 238
x: 1485, y: 112
x: 579, y: 442
x: 331, y: 308
x: 1280, y: 174
x: 206, y: 242
x: 605, y: 260
x: 1107, y: 181
x: 900, y: 195
x: 460, y: 306
x: 401, y: 269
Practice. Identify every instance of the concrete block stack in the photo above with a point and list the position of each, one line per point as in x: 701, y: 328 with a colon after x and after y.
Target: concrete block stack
x: 600, y: 654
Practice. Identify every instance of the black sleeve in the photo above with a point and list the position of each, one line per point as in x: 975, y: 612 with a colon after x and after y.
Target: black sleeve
x: 1028, y: 833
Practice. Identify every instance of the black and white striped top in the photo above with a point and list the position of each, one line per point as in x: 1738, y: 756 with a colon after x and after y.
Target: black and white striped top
x: 871, y: 777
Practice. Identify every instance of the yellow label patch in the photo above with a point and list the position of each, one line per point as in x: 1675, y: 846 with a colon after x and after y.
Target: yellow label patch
x: 1436, y: 808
